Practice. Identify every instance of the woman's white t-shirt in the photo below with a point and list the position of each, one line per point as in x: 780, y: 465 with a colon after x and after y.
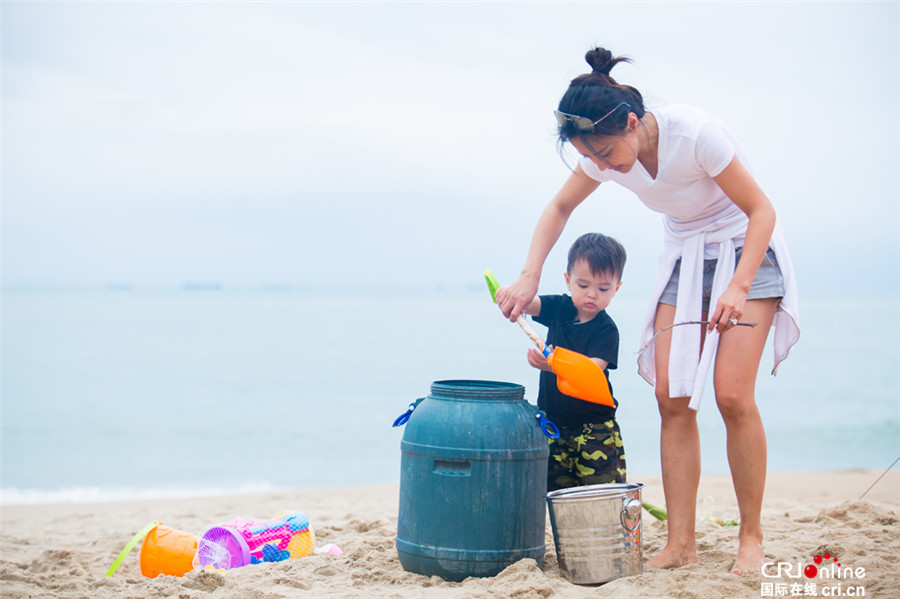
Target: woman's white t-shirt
x: 700, y: 222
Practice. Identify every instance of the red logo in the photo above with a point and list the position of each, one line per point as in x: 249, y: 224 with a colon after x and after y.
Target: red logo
x: 812, y: 570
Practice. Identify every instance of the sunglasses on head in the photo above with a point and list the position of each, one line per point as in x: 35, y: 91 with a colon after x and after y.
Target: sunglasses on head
x: 583, y: 123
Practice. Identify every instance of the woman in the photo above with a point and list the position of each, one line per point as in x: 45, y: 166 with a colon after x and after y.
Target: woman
x: 723, y: 249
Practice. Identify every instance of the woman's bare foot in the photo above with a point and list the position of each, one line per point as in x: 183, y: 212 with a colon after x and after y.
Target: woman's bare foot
x: 749, y: 559
x: 672, y: 558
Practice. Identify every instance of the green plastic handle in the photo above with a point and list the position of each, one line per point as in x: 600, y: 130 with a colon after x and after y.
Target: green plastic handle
x: 659, y: 513
x: 134, y: 541
x: 492, y: 284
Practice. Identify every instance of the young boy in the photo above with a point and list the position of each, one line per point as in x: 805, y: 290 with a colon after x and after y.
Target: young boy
x: 589, y: 450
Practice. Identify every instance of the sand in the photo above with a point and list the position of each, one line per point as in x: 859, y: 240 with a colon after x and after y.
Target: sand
x: 52, y: 551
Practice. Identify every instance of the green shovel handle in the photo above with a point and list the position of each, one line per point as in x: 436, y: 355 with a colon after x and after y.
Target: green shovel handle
x: 492, y: 283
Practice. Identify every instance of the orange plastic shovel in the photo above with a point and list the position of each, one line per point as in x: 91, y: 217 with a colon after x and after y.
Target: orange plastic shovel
x: 576, y: 374
x: 579, y: 376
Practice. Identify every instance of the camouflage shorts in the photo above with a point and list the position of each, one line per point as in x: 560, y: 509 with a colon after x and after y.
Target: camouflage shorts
x: 589, y: 455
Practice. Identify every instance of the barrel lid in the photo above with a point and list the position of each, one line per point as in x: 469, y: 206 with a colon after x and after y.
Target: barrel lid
x: 476, y: 389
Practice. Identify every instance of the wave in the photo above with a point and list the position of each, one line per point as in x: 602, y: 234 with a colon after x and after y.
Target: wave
x: 16, y: 496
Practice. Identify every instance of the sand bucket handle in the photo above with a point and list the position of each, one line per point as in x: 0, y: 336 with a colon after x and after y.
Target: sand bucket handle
x: 404, y: 417
x: 630, y: 516
x: 129, y: 546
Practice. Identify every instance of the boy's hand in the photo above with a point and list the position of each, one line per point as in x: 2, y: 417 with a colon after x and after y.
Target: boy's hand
x: 538, y: 360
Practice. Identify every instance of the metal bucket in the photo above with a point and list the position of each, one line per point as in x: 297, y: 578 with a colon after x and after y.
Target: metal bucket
x: 597, y: 531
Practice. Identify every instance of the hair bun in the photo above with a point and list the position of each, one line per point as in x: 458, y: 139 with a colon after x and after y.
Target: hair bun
x: 602, y: 60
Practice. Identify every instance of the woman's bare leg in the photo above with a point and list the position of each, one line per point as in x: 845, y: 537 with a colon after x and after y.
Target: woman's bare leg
x: 736, y: 367
x: 680, y: 456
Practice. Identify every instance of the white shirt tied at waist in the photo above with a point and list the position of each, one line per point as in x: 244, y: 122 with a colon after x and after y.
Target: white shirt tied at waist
x: 688, y: 367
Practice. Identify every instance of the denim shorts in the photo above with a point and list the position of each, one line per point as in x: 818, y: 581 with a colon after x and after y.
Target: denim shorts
x: 768, y: 282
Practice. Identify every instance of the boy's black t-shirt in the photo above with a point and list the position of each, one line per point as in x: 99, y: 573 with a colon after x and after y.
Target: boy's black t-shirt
x: 596, y: 338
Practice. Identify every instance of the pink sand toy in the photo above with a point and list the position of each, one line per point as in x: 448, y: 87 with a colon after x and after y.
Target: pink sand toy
x: 226, y: 546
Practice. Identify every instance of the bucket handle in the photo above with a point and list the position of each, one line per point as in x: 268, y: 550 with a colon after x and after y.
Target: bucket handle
x: 550, y: 429
x: 134, y: 541
x: 404, y: 417
x: 631, y: 512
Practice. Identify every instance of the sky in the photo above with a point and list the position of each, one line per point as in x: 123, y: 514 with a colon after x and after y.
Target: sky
x: 412, y: 145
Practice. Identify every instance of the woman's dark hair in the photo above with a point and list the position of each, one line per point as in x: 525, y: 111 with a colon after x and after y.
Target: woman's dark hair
x: 595, y: 95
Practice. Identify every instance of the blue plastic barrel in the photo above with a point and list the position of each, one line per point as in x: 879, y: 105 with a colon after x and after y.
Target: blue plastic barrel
x: 472, y: 482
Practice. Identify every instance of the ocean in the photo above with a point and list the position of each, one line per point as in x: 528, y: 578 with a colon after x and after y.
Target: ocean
x: 122, y: 394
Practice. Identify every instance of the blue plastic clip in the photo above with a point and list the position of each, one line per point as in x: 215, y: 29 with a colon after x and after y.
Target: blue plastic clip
x: 401, y: 420
x: 550, y: 429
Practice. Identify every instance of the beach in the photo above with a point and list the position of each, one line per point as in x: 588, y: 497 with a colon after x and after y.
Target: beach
x: 64, y: 550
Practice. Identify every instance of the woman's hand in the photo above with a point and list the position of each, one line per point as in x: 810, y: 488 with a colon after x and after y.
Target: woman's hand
x: 740, y: 186
x: 515, y: 299
x: 729, y: 309
x: 538, y: 360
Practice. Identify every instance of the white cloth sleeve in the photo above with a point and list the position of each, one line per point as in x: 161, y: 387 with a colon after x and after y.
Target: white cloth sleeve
x: 713, y: 150
x: 592, y: 170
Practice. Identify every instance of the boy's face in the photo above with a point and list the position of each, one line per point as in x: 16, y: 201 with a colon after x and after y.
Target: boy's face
x: 591, y: 293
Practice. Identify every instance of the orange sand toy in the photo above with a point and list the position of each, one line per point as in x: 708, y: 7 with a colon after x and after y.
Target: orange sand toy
x: 167, y: 550
x: 579, y: 376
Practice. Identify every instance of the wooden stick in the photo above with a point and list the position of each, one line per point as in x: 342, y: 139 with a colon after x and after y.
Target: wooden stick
x: 878, y: 479
x: 678, y: 324
x: 532, y: 334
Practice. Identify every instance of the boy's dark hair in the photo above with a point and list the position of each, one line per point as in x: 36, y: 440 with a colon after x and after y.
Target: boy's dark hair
x: 603, y: 254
